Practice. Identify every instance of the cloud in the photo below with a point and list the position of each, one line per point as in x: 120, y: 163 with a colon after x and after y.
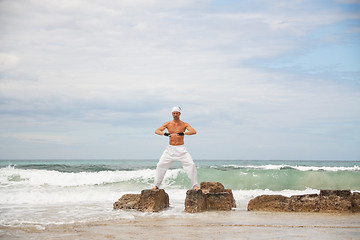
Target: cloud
x: 8, y: 61
x: 39, y: 138
x: 95, y: 68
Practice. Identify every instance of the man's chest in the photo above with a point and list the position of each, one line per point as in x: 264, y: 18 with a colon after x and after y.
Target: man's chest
x: 176, y: 127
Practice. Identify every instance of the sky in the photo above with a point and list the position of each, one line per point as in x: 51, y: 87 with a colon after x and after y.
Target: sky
x: 257, y: 79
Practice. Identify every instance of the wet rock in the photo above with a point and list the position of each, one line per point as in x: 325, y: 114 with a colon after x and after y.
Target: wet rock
x: 127, y: 201
x: 153, y: 200
x: 335, y: 200
x: 211, y: 196
x: 211, y: 187
x: 148, y: 201
x: 272, y: 203
x: 231, y: 197
x: 338, y: 201
x: 304, y: 203
x: 355, y: 202
x: 222, y: 201
x: 195, y: 201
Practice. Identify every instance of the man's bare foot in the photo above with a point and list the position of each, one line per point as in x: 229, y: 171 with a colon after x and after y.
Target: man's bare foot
x: 196, y: 188
x: 155, y: 187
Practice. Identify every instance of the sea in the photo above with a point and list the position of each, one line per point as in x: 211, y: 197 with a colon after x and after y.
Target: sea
x: 38, y: 193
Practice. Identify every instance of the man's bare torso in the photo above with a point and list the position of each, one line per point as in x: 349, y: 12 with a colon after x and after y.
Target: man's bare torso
x: 174, y: 128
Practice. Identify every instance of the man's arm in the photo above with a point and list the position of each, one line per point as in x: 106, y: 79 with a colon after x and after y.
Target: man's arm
x: 160, y: 130
x: 190, y: 130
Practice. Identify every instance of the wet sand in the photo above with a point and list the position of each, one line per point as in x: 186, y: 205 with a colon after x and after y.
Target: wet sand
x: 210, y: 225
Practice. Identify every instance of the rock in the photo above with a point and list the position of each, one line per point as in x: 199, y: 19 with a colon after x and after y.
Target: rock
x: 127, y: 201
x: 211, y: 187
x: 153, y: 200
x: 355, y: 202
x: 335, y: 201
x: 216, y: 187
x: 222, y: 201
x: 273, y: 203
x: 327, y: 201
x: 304, y: 203
x: 147, y: 201
x: 212, y: 196
x: 195, y: 201
x: 231, y: 196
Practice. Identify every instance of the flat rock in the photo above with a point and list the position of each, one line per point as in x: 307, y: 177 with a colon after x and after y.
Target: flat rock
x: 148, y: 201
x: 274, y: 203
x: 337, y: 201
x: 211, y: 187
x: 127, y: 201
x: 304, y: 203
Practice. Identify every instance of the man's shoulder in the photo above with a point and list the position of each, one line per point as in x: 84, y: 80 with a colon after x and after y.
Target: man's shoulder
x: 167, y: 123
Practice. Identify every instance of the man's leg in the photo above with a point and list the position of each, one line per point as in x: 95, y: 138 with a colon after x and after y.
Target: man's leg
x: 190, y: 169
x: 161, y: 168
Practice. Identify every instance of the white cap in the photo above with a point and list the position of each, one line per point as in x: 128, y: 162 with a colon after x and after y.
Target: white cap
x: 176, y: 109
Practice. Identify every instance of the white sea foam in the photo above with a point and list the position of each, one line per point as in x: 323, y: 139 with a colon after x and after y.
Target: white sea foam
x: 81, y: 205
x: 300, y: 168
x: 33, y: 177
x: 19, y: 186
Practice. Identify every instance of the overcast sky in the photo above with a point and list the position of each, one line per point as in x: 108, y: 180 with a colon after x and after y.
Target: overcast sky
x: 257, y: 79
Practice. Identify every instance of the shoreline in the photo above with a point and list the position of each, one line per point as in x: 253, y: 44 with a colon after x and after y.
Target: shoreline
x: 209, y: 225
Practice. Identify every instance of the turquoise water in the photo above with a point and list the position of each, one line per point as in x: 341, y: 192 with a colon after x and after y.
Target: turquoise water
x: 237, y: 175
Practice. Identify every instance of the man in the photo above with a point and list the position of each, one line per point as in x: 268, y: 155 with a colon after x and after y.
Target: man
x: 176, y: 149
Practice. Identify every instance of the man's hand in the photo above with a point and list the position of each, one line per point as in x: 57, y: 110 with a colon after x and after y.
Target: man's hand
x: 166, y: 134
x: 180, y: 134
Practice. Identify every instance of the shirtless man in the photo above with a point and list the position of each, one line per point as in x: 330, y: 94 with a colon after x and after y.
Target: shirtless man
x: 176, y: 150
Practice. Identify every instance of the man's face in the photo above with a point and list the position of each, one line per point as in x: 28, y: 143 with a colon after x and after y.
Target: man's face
x: 176, y: 115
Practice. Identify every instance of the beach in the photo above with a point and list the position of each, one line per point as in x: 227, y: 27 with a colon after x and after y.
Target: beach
x: 210, y: 225
x: 73, y: 199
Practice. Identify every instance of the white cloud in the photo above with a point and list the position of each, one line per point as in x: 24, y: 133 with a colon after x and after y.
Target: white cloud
x: 8, y: 61
x: 120, y: 65
x: 39, y: 138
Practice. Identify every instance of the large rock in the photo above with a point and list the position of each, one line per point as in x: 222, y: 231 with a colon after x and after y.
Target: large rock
x: 335, y: 201
x: 327, y: 201
x: 212, y: 187
x: 355, y: 202
x: 273, y: 203
x: 211, y: 196
x: 127, y: 201
x: 153, y: 200
x: 219, y: 201
x: 304, y: 203
x: 148, y: 201
x: 195, y: 201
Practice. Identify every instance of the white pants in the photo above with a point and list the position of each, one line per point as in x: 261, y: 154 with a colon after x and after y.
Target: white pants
x: 176, y: 153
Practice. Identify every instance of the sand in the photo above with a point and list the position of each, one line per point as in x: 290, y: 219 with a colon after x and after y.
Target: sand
x: 209, y: 225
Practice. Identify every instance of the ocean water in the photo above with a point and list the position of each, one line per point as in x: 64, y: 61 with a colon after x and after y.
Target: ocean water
x: 39, y: 193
